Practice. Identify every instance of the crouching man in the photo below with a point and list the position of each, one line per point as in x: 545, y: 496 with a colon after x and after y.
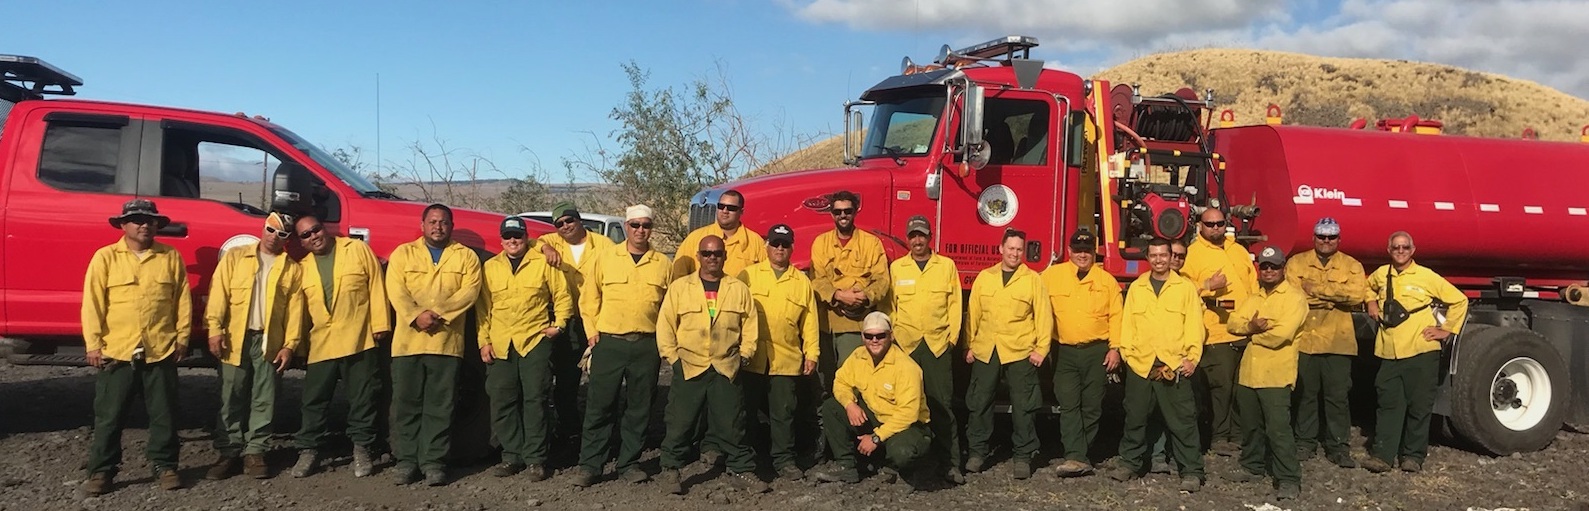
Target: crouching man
x: 877, y: 407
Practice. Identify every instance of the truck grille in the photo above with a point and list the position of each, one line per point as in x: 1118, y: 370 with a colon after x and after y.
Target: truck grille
x: 701, y: 214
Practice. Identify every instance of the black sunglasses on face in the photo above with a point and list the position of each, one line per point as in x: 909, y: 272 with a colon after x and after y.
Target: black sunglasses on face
x: 139, y: 220
x: 1327, y: 238
x: 640, y: 225
x: 311, y: 232
x: 279, y: 233
x: 1178, y: 255
x: 1269, y: 267
x: 780, y: 244
x: 843, y: 211
x: 1212, y: 225
x: 731, y: 208
x: 567, y: 221
x: 713, y: 253
x: 1400, y: 247
x: 512, y: 236
x: 874, y: 337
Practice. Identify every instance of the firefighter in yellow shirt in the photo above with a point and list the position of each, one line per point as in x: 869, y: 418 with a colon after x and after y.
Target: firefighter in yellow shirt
x: 787, y: 353
x: 1008, y: 338
x: 1409, y: 350
x: 623, y: 291
x: 432, y: 283
x: 745, y: 247
x: 1335, y: 285
x: 1086, y: 302
x: 849, y: 270
x: 137, y: 316
x: 1223, y: 270
x: 572, y: 249
x: 255, y: 320
x: 877, y: 404
x: 523, y: 304
x: 926, y: 313
x: 707, y: 330
x: 1161, y: 341
x: 1270, y: 317
x: 345, y: 297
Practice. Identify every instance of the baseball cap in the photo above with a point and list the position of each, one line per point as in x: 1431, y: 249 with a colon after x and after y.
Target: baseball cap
x: 563, y: 209
x: 876, y: 322
x: 1272, y: 255
x: 1083, y: 240
x: 513, y: 225
x: 917, y: 224
x: 780, y: 232
x: 1327, y: 227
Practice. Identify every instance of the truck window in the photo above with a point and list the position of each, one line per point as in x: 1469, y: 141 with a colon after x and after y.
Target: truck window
x: 216, y: 164
x: 81, y: 158
x: 1017, y: 131
x: 903, y: 127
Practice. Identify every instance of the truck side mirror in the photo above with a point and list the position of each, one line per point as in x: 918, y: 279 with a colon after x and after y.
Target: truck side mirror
x: 971, y: 117
x: 296, y: 191
x: 854, y: 133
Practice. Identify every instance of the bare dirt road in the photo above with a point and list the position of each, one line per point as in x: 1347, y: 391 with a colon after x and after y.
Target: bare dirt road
x: 45, y: 414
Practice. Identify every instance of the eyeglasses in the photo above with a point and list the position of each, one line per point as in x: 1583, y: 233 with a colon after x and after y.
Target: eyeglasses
x: 1178, y: 255
x: 1269, y: 267
x: 780, y: 244
x: 513, y: 236
x: 875, y: 337
x: 713, y: 253
x: 1400, y: 248
x: 1214, y: 225
x: 640, y: 225
x: 567, y: 221
x: 1327, y: 238
x: 842, y: 211
x: 311, y: 231
x: 731, y: 208
x: 279, y: 233
x: 139, y: 220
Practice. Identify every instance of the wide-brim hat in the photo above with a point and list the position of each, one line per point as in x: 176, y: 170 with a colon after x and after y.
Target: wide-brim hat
x: 140, y: 207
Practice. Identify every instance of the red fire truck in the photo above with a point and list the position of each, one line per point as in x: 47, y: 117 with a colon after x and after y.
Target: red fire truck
x: 986, y: 138
x: 67, y: 165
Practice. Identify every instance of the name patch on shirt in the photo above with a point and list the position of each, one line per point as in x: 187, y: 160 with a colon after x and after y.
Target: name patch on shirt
x: 906, y: 282
x: 888, y: 386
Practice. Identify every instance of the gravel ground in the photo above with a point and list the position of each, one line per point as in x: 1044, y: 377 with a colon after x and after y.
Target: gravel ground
x: 45, y: 425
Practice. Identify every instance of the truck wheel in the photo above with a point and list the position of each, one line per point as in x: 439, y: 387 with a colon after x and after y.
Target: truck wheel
x: 1510, y: 392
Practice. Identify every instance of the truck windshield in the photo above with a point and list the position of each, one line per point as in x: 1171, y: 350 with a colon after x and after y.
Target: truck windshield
x: 903, y: 126
x: 320, y: 156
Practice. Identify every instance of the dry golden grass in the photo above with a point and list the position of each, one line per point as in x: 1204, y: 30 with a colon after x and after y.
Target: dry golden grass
x: 1321, y: 91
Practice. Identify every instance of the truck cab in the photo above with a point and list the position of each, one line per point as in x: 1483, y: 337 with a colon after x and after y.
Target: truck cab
x: 66, y: 165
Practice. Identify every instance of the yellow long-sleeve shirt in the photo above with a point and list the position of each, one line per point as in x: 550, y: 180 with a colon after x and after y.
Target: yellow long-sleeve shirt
x: 232, y: 295
x: 1013, y: 319
x: 131, y: 303
x: 1166, y: 326
x: 1085, y: 309
x: 924, y: 304
x: 789, y: 324
x: 689, y: 335
x: 744, y: 248
x: 1203, y: 260
x: 357, y: 310
x: 1338, y: 287
x: 622, y: 296
x: 448, y: 288
x: 513, y: 306
x: 890, y: 388
x: 861, y: 264
x: 1270, y: 360
x: 1416, y: 287
x: 594, y: 243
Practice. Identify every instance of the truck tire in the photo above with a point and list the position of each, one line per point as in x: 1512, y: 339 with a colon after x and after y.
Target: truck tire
x: 1510, y: 392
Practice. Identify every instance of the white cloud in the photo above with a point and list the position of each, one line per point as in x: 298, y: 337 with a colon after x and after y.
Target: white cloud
x: 1538, y: 40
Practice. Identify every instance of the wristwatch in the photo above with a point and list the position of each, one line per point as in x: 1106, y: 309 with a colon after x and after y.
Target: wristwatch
x: 876, y: 439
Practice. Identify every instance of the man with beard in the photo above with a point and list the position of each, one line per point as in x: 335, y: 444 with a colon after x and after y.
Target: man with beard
x: 1223, y: 270
x: 925, y: 301
x: 787, y: 353
x: 573, y: 251
x: 1086, y: 303
x: 1271, y: 317
x: 345, y: 295
x: 1335, y: 286
x: 849, y: 270
x: 432, y: 283
x: 1008, y: 337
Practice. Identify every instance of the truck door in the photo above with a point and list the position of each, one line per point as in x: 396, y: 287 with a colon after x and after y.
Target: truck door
x: 1018, y: 189
x: 70, y: 172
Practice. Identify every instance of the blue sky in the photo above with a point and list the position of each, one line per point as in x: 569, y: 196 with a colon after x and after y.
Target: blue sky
x: 495, y: 77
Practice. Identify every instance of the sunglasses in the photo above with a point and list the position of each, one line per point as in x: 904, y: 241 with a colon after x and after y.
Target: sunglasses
x: 1178, y: 255
x: 731, y: 208
x: 567, y: 221
x: 843, y: 211
x: 875, y: 337
x: 1269, y: 267
x: 1399, y: 248
x: 1212, y: 225
x: 780, y: 244
x: 713, y: 253
x: 640, y: 225
x: 1327, y: 238
x: 512, y: 236
x: 311, y: 232
x: 279, y: 233
x: 139, y: 220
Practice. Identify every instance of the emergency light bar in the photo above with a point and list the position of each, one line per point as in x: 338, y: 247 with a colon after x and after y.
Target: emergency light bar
x: 1005, y: 47
x: 31, y: 78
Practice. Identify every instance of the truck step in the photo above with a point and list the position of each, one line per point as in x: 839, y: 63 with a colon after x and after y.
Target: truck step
x: 75, y: 360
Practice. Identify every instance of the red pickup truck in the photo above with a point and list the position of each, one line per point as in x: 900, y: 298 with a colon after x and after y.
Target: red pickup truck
x: 66, y: 165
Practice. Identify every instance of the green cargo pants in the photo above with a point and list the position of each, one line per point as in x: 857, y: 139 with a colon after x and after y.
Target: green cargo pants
x: 1020, y: 377
x: 567, y: 348
x: 902, y: 450
x: 777, y: 397
x: 1324, y: 381
x: 626, y: 370
x: 1218, y: 369
x: 360, y: 374
x: 1079, y: 380
x: 723, y: 404
x: 423, y: 390
x: 519, y: 388
x: 248, y: 400
x: 937, y: 375
x: 114, y: 388
x: 1176, y: 403
x: 1267, y: 447
x: 1406, y: 398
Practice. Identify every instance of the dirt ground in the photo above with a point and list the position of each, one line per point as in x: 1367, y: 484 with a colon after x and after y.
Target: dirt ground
x: 45, y: 425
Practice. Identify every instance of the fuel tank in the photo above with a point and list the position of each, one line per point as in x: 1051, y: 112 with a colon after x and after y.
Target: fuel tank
x: 1476, y: 207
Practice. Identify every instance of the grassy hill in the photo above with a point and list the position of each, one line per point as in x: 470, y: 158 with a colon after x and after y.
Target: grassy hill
x: 1321, y: 91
